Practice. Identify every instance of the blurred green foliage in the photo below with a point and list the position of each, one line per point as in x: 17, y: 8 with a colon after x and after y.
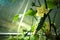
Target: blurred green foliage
x: 51, y: 3
x: 15, y: 17
x: 45, y: 30
x: 31, y: 12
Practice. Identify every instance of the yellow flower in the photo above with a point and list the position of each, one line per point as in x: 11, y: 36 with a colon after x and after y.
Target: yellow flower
x: 41, y: 10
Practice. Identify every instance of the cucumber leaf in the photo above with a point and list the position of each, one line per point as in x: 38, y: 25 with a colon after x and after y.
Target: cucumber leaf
x: 15, y: 17
x: 30, y: 12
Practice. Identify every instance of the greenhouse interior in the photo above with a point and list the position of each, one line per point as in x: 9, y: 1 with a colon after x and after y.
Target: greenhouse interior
x: 29, y: 20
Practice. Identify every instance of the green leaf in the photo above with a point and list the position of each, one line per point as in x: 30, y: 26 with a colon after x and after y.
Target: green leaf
x: 16, y: 17
x: 36, y: 37
x: 32, y: 37
x: 32, y: 28
x: 30, y: 12
x: 26, y: 38
x: 51, y: 3
x: 50, y: 0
